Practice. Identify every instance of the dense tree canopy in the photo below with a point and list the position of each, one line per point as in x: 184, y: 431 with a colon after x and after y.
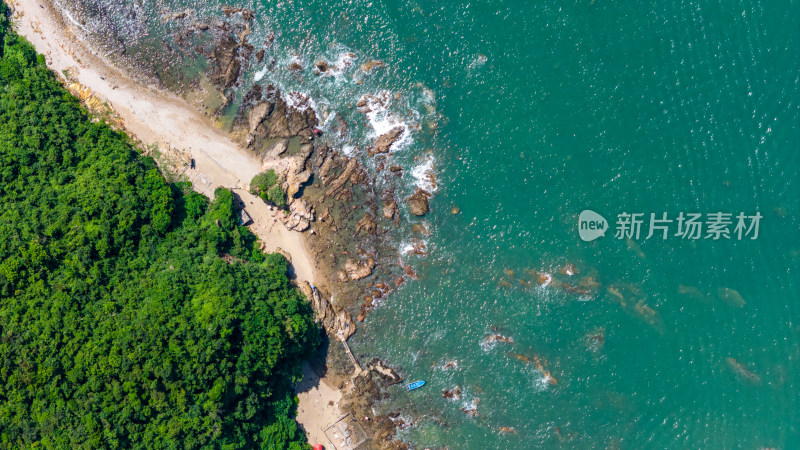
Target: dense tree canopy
x: 133, y: 313
x: 266, y: 186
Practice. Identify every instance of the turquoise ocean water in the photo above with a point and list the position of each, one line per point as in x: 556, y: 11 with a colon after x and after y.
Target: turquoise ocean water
x: 529, y: 113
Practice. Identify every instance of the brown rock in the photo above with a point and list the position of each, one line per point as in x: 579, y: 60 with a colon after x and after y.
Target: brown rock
x: 367, y: 223
x: 389, y: 209
x: 452, y: 394
x: 321, y: 67
x: 339, y: 182
x: 409, y: 272
x: 371, y: 65
x: 360, y: 269
x: 385, y: 141
x: 259, y: 112
x: 226, y: 64
x: 569, y: 269
x: 418, y: 202
x: 342, y: 276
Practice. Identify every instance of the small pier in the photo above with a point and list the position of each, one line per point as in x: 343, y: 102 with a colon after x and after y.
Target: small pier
x: 353, y: 360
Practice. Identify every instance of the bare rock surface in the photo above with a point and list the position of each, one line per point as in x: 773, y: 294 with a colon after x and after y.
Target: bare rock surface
x: 357, y: 270
x: 418, y: 202
x: 385, y: 141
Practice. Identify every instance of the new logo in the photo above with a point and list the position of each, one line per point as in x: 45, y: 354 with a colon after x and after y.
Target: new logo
x: 591, y: 225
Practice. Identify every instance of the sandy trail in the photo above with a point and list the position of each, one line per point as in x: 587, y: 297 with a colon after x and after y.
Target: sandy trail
x: 164, y: 119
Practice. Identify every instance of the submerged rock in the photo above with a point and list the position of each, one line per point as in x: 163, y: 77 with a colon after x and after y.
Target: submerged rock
x: 452, y: 394
x: 471, y: 408
x: 732, y: 297
x: 497, y: 338
x: 369, y: 66
x: 569, y: 269
x: 742, y: 371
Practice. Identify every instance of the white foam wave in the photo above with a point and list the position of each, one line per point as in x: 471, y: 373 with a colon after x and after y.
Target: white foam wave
x: 425, y: 175
x: 382, y: 120
x: 260, y: 74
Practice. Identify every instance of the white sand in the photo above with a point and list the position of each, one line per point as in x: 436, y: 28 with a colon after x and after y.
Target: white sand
x: 314, y: 411
x: 162, y: 118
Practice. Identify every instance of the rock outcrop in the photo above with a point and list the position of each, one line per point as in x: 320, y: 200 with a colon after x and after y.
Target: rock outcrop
x: 274, y: 118
x: 367, y: 223
x: 418, y: 202
x: 338, y: 183
x: 357, y: 270
x: 385, y: 141
x: 388, y: 375
x: 295, y: 180
x: 300, y: 215
x: 389, y: 209
x: 227, y: 65
x: 336, y: 323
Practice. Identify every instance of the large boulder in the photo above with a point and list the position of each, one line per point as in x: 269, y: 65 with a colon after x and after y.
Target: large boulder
x: 357, y: 270
x: 300, y: 216
x: 418, y: 202
x: 296, y: 223
x: 343, y: 325
x: 301, y: 208
x: 389, y: 209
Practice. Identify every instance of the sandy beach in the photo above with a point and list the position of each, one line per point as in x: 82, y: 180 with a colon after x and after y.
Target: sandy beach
x: 163, y: 120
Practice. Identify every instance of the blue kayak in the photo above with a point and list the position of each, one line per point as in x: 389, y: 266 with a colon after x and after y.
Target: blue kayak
x: 414, y: 385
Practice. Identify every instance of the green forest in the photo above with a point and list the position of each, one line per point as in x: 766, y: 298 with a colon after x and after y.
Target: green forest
x: 134, y: 313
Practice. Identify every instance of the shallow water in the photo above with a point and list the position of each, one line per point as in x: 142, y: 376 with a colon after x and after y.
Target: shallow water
x: 531, y: 113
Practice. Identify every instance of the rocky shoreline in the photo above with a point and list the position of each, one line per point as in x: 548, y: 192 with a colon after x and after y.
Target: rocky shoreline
x: 331, y: 197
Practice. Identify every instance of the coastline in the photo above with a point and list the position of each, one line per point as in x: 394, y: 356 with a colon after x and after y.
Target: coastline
x: 179, y: 132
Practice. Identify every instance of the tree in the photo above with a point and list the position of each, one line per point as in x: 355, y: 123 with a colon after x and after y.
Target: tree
x: 123, y: 324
